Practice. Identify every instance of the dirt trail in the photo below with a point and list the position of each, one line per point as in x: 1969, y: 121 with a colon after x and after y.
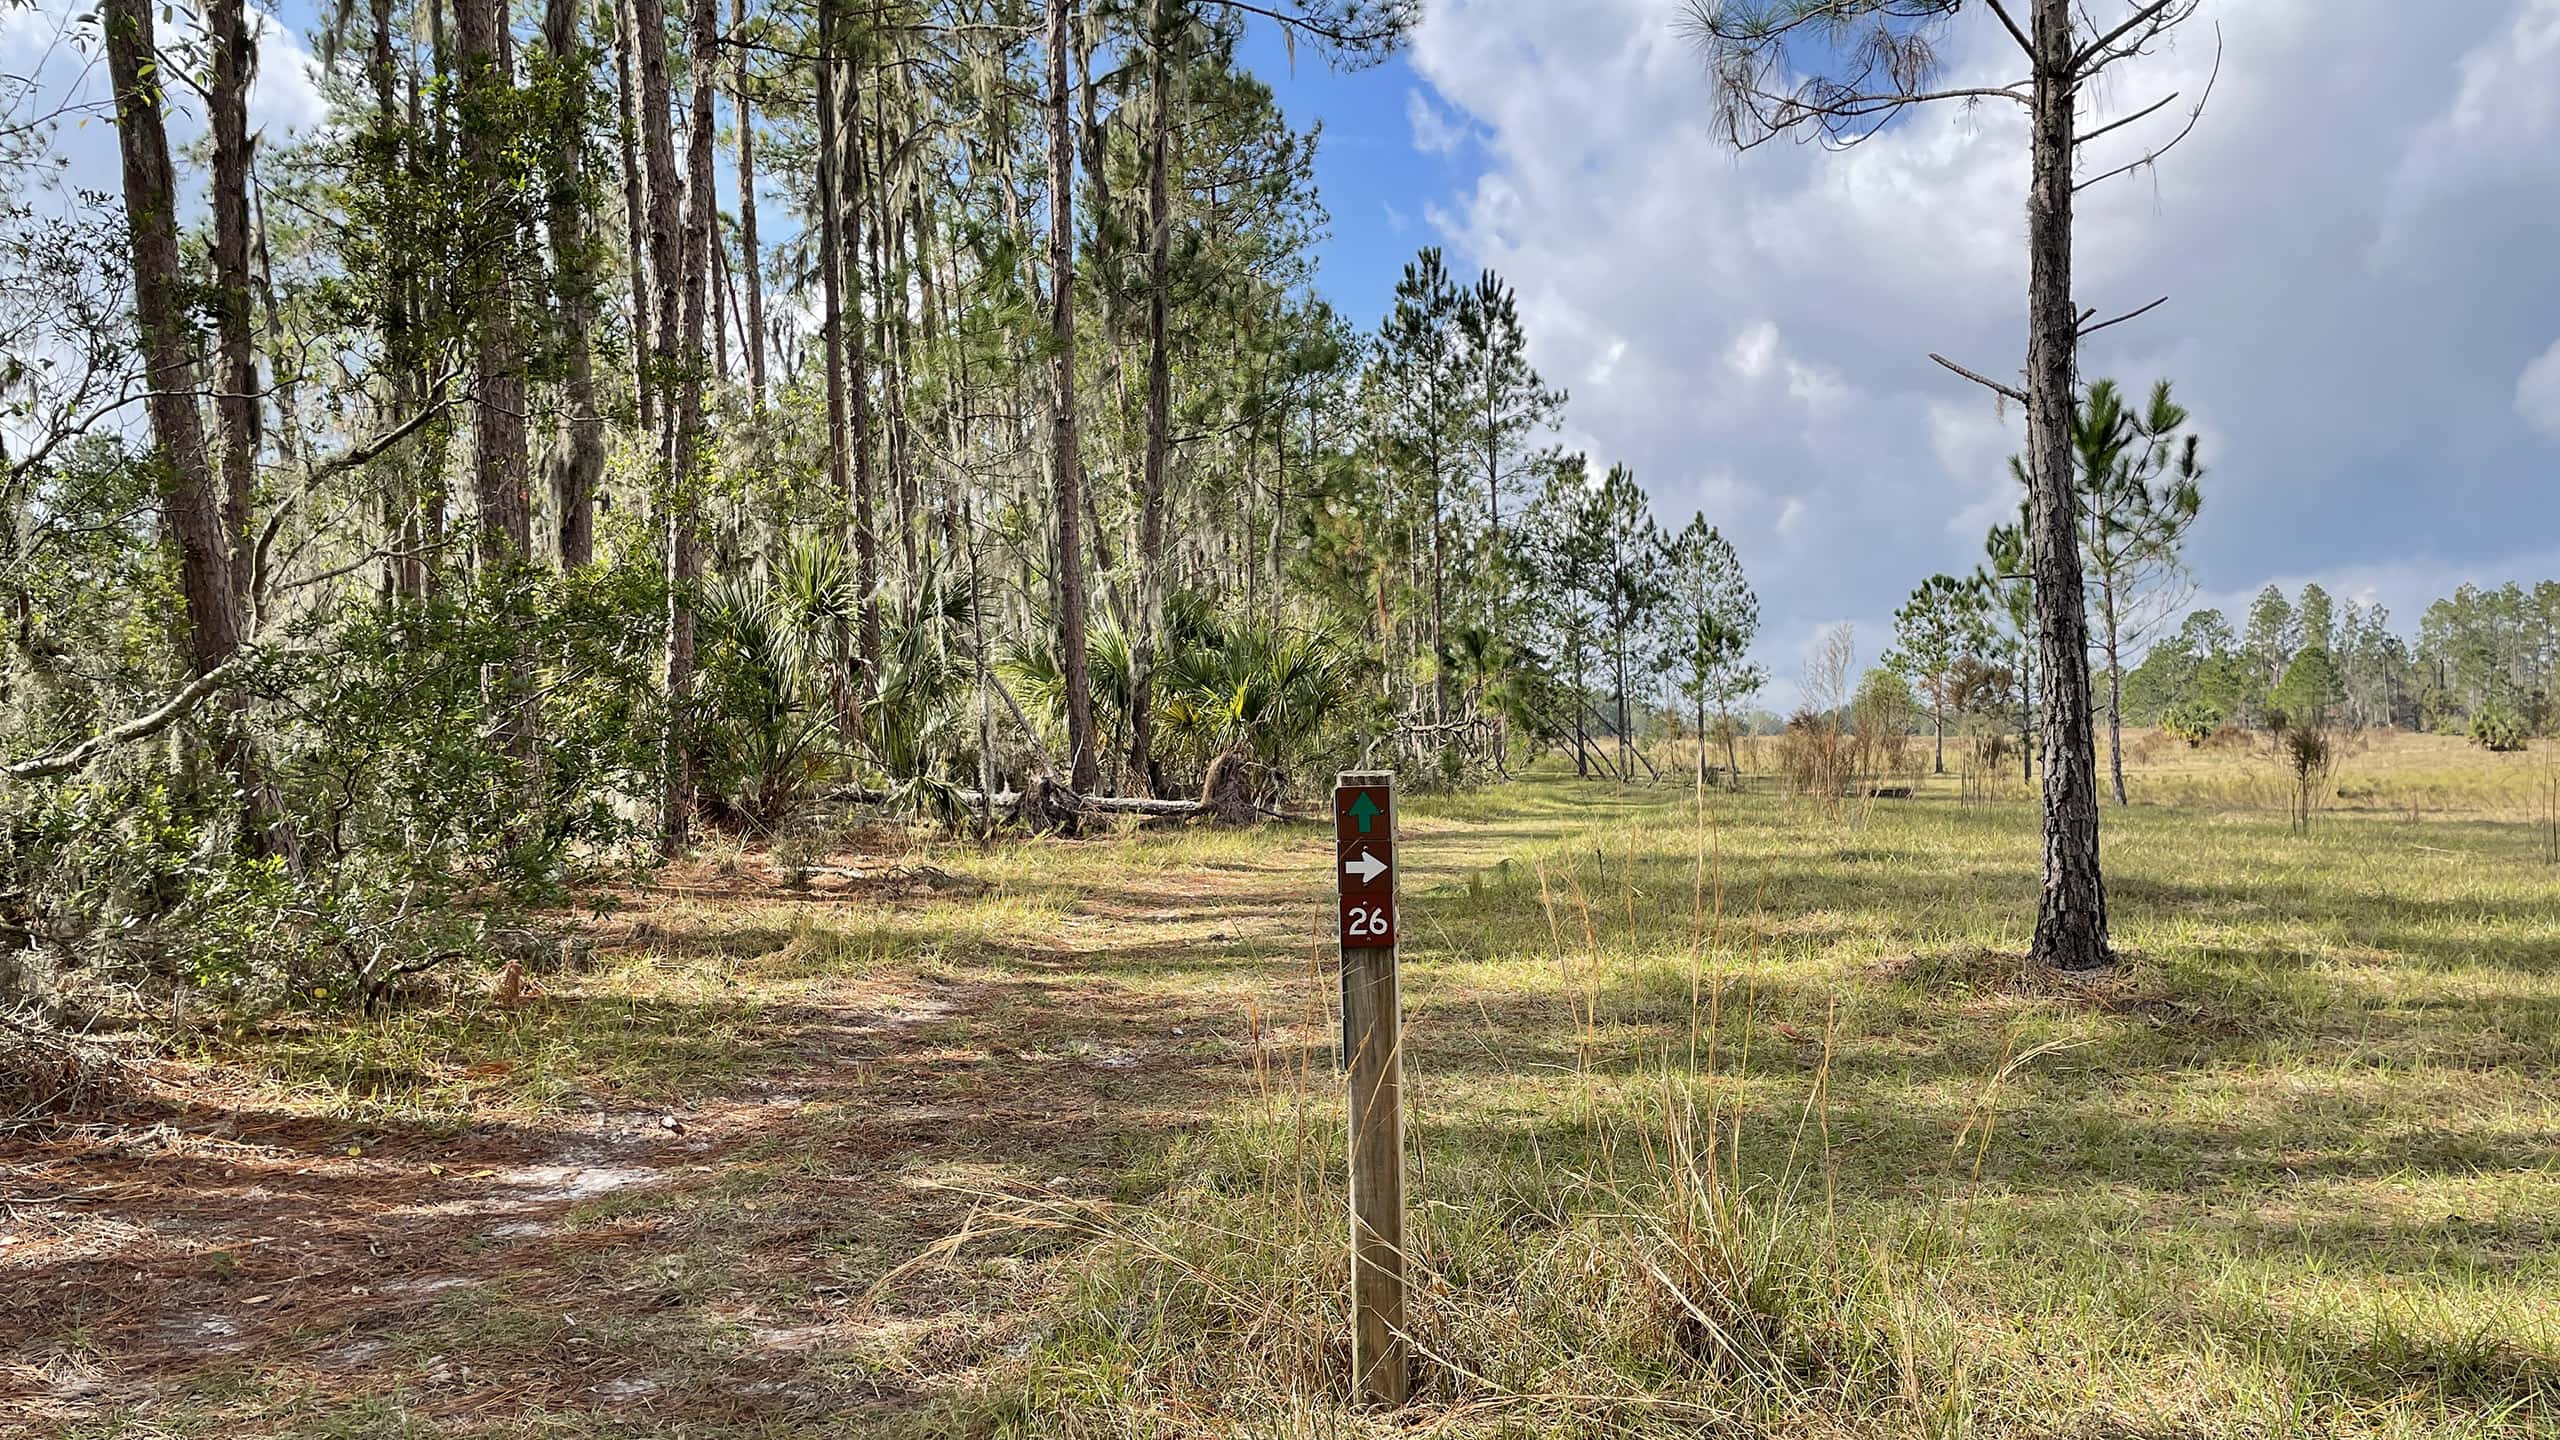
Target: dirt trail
x: 720, y: 1256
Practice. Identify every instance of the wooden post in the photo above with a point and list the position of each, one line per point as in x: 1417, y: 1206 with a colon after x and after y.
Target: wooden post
x: 1372, y: 1047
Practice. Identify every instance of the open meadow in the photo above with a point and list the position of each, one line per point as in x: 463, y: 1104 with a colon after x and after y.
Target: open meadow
x: 669, y: 677
x: 1726, y: 1116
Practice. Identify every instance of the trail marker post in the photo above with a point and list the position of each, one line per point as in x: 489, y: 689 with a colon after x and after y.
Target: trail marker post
x: 1364, y: 831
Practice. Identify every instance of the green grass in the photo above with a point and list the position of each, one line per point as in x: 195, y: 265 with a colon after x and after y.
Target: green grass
x: 2290, y: 1171
x: 1723, y: 1119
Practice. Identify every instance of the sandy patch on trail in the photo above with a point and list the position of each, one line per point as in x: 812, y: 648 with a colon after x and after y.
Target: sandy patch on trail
x: 170, y: 1245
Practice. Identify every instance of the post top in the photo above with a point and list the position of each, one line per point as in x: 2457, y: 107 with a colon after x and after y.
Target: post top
x: 1365, y: 777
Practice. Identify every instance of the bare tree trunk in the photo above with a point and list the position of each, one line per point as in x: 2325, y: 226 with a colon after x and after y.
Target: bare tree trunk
x: 635, y: 210
x: 750, y: 248
x: 1439, y: 655
x: 667, y: 272
x: 236, y: 402
x: 830, y: 203
x: 1084, y: 761
x: 431, y: 295
x: 498, y: 417
x: 578, y: 471
x: 985, y: 682
x: 288, y: 403
x: 654, y: 100
x: 1150, y: 616
x: 719, y: 317
x: 2115, y: 685
x: 1581, y: 742
x: 2071, y: 918
x: 850, y: 182
x: 191, y: 505
x: 405, y: 574
x: 1626, y: 742
x: 691, y: 448
x: 889, y: 301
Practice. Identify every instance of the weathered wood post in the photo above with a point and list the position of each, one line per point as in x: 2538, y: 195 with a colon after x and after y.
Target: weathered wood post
x: 1364, y: 827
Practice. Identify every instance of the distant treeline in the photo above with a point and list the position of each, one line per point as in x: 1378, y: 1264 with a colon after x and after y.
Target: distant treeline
x: 2477, y: 652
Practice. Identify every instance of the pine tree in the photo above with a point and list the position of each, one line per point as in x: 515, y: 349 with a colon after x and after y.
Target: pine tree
x: 1506, y: 402
x: 1418, y: 362
x: 2140, y: 489
x: 1886, y: 51
x: 1946, y: 623
x: 1709, y: 619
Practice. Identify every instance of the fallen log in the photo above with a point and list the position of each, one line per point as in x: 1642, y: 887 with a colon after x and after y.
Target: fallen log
x: 1007, y: 799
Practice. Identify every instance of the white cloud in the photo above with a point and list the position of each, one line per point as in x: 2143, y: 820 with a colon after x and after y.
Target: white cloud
x: 1970, y: 440
x: 2501, y: 127
x: 51, y: 48
x: 1435, y: 132
x: 1819, y: 388
x: 2538, y: 392
x: 1753, y: 351
x: 1607, y: 365
x: 287, y: 93
x: 2354, y: 241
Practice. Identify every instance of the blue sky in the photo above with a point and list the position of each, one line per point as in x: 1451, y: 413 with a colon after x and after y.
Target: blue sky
x: 1375, y: 183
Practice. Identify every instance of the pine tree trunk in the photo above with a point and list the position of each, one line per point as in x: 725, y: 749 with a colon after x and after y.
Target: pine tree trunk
x: 2071, y: 918
x: 1439, y: 662
x: 431, y: 301
x: 667, y: 274
x: 288, y: 402
x: 653, y: 101
x: 2115, y: 687
x: 499, y: 462
x: 889, y: 304
x: 750, y: 248
x: 690, y: 450
x: 191, y: 505
x: 637, y: 232
x: 721, y: 290
x: 1150, y: 617
x: 850, y: 183
x: 1626, y: 743
x: 405, y: 572
x: 830, y: 206
x: 1068, y: 476
x: 1581, y: 703
x: 580, y: 469
x: 236, y: 403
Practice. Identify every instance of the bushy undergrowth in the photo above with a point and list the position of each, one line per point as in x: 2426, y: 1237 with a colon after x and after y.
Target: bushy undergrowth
x: 405, y: 805
x: 2499, y: 729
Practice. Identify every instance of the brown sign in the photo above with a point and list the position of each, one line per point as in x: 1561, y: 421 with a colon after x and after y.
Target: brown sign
x: 1364, y: 832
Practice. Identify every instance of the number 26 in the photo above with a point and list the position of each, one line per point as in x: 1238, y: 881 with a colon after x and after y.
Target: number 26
x: 1365, y: 922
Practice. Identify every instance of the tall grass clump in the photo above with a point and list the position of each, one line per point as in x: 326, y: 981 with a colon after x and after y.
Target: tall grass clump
x: 2310, y: 754
x: 1664, y: 1259
x: 2550, y: 816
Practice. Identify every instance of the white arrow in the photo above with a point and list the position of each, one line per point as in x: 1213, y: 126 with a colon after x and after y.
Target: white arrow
x: 1367, y: 866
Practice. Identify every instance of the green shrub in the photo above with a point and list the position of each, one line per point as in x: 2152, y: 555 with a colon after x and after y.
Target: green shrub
x: 2498, y: 728
x: 2193, y: 721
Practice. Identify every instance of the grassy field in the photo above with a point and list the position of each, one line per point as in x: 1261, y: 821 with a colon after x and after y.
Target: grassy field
x: 1727, y: 1117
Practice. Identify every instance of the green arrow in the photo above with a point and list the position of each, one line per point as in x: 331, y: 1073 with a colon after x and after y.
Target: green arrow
x: 1364, y: 810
